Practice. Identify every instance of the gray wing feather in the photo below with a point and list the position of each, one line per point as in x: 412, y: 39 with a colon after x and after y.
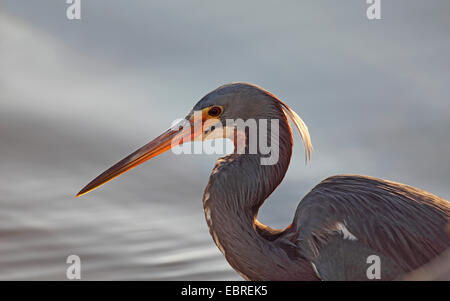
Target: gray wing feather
x: 402, y: 223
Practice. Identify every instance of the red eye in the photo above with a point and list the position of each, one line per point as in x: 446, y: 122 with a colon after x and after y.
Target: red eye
x: 214, y: 111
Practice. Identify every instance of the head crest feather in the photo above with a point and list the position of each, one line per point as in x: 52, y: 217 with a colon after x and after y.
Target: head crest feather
x: 299, y: 124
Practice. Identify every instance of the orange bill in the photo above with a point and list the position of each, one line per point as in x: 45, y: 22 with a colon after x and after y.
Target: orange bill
x: 182, y: 132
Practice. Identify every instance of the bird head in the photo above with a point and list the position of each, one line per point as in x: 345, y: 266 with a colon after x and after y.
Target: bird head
x: 210, y: 119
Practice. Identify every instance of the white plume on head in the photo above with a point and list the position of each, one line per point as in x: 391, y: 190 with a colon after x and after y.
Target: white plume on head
x: 302, y: 129
x: 301, y: 126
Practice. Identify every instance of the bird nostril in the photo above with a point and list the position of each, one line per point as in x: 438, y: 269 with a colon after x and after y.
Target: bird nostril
x: 210, y: 129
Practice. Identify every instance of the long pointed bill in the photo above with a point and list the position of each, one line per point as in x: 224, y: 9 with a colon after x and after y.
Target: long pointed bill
x: 180, y: 133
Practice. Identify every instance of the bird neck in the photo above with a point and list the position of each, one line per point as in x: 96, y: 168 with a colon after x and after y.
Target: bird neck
x: 238, y: 186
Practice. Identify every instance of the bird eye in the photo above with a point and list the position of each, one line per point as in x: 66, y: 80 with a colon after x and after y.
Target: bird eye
x: 214, y: 111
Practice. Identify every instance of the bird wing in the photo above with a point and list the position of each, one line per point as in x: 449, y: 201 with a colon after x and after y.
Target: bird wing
x: 346, y: 216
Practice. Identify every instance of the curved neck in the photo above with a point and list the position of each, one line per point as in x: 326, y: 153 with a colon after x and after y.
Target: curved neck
x: 238, y: 186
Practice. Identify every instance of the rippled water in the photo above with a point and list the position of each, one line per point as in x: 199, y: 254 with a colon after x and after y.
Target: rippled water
x: 133, y: 232
x: 77, y: 97
x: 112, y: 244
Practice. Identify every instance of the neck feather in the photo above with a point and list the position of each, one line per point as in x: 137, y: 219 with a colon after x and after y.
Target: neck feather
x: 238, y: 186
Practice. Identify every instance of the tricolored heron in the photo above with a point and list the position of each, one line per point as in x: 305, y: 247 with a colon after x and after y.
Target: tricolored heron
x: 338, y: 225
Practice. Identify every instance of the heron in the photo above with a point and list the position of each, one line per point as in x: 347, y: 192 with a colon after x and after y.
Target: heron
x: 341, y: 227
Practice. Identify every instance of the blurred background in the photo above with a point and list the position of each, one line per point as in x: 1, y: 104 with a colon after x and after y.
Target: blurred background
x: 76, y: 96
